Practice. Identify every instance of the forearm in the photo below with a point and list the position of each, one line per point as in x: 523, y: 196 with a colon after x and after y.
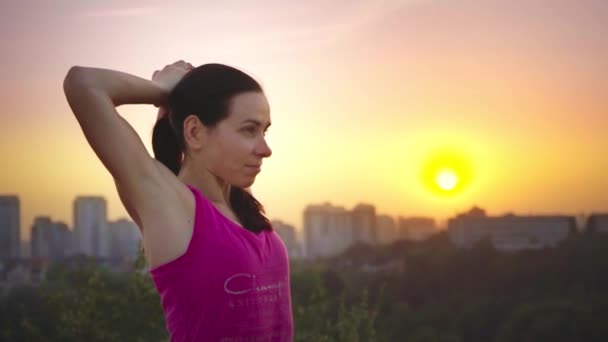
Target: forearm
x: 121, y: 88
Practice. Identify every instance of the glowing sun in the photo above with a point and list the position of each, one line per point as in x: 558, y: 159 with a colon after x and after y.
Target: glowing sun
x: 446, y: 173
x: 446, y: 179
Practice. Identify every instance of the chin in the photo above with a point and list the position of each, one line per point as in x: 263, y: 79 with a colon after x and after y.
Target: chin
x: 244, y: 183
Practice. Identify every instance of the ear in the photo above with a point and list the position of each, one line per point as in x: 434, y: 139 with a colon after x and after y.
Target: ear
x: 195, y: 133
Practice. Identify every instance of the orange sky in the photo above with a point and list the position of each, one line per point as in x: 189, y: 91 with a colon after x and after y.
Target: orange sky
x: 362, y: 93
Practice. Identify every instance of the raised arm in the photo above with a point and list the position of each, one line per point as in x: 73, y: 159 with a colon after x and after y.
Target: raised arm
x: 93, y: 94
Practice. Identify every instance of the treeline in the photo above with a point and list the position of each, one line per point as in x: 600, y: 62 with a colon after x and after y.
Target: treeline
x: 433, y: 291
x: 416, y: 292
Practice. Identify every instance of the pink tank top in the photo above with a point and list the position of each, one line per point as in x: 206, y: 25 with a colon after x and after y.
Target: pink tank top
x: 231, y: 285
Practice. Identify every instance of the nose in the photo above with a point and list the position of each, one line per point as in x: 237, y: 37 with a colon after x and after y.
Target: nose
x: 263, y: 149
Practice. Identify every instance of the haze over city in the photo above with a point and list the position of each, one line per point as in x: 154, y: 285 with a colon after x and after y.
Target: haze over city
x: 418, y: 107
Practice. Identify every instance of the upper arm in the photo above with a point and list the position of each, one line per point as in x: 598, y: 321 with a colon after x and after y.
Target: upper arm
x: 113, y: 140
x: 128, y: 206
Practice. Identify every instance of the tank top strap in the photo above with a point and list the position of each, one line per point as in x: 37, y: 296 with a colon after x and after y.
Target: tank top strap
x: 202, y: 212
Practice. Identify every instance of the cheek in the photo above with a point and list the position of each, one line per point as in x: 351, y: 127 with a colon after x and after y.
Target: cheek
x: 234, y: 152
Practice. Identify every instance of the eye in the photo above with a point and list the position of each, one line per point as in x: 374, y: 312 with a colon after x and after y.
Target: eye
x: 250, y: 130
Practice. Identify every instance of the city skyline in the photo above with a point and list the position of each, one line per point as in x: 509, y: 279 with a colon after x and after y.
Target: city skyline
x: 92, y: 233
x: 299, y: 227
x: 327, y: 230
x: 420, y: 107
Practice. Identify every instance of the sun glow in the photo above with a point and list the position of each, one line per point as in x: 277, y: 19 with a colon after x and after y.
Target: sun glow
x: 446, y: 180
x: 446, y: 173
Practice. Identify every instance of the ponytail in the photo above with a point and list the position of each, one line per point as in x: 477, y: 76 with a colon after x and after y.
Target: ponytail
x: 166, y: 147
x: 249, y: 211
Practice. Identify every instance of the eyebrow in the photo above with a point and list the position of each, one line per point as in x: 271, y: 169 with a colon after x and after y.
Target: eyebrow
x: 256, y: 122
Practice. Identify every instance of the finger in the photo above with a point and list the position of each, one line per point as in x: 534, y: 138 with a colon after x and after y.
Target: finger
x: 154, y: 74
x: 162, y: 112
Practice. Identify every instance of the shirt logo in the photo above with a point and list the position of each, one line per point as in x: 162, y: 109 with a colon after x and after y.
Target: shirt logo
x: 242, y: 283
x: 233, y: 289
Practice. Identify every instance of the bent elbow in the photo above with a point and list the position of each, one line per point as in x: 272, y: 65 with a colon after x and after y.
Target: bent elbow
x: 76, y: 85
x: 74, y: 79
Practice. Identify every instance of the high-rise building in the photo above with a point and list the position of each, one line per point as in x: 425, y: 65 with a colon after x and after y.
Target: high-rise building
x: 91, y: 236
x: 509, y: 232
x: 364, y: 223
x: 327, y: 230
x: 468, y: 228
x: 50, y: 240
x: 41, y: 237
x: 386, y: 229
x: 288, y: 235
x: 415, y: 228
x: 125, y: 239
x: 597, y: 223
x: 26, y: 250
x: 10, y: 228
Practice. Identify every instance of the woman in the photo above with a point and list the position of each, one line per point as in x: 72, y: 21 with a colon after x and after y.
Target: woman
x: 221, y: 271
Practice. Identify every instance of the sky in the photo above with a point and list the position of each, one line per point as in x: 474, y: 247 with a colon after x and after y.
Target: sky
x: 369, y: 99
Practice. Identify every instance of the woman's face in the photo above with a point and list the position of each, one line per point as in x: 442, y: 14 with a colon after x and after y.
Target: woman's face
x: 235, y: 147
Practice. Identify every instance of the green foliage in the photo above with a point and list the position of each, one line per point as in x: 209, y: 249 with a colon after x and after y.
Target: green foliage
x: 435, y: 293
x: 557, y: 320
x: 84, y: 303
x: 107, y: 307
x: 25, y: 316
x: 319, y: 316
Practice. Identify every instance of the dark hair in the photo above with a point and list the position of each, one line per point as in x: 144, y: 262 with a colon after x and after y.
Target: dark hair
x: 206, y: 92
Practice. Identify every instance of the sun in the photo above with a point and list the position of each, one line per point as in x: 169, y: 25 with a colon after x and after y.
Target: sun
x: 447, y: 173
x: 446, y: 179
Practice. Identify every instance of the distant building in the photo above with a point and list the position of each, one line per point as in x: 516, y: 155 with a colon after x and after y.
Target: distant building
x: 467, y: 229
x: 288, y: 235
x: 415, y: 228
x: 364, y: 224
x: 23, y: 272
x: 19, y: 274
x: 327, y: 230
x: 50, y: 240
x: 597, y: 223
x: 10, y: 228
x: 26, y: 249
x: 509, y: 232
x: 91, y: 236
x: 581, y: 220
x: 386, y: 229
x: 125, y: 239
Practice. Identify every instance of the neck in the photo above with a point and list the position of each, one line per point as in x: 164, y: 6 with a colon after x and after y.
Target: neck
x: 214, y: 188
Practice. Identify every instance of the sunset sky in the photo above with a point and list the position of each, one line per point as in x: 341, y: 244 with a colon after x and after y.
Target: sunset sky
x: 369, y: 99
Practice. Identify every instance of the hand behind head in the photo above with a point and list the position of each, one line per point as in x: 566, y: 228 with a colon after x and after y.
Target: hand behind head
x: 171, y: 74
